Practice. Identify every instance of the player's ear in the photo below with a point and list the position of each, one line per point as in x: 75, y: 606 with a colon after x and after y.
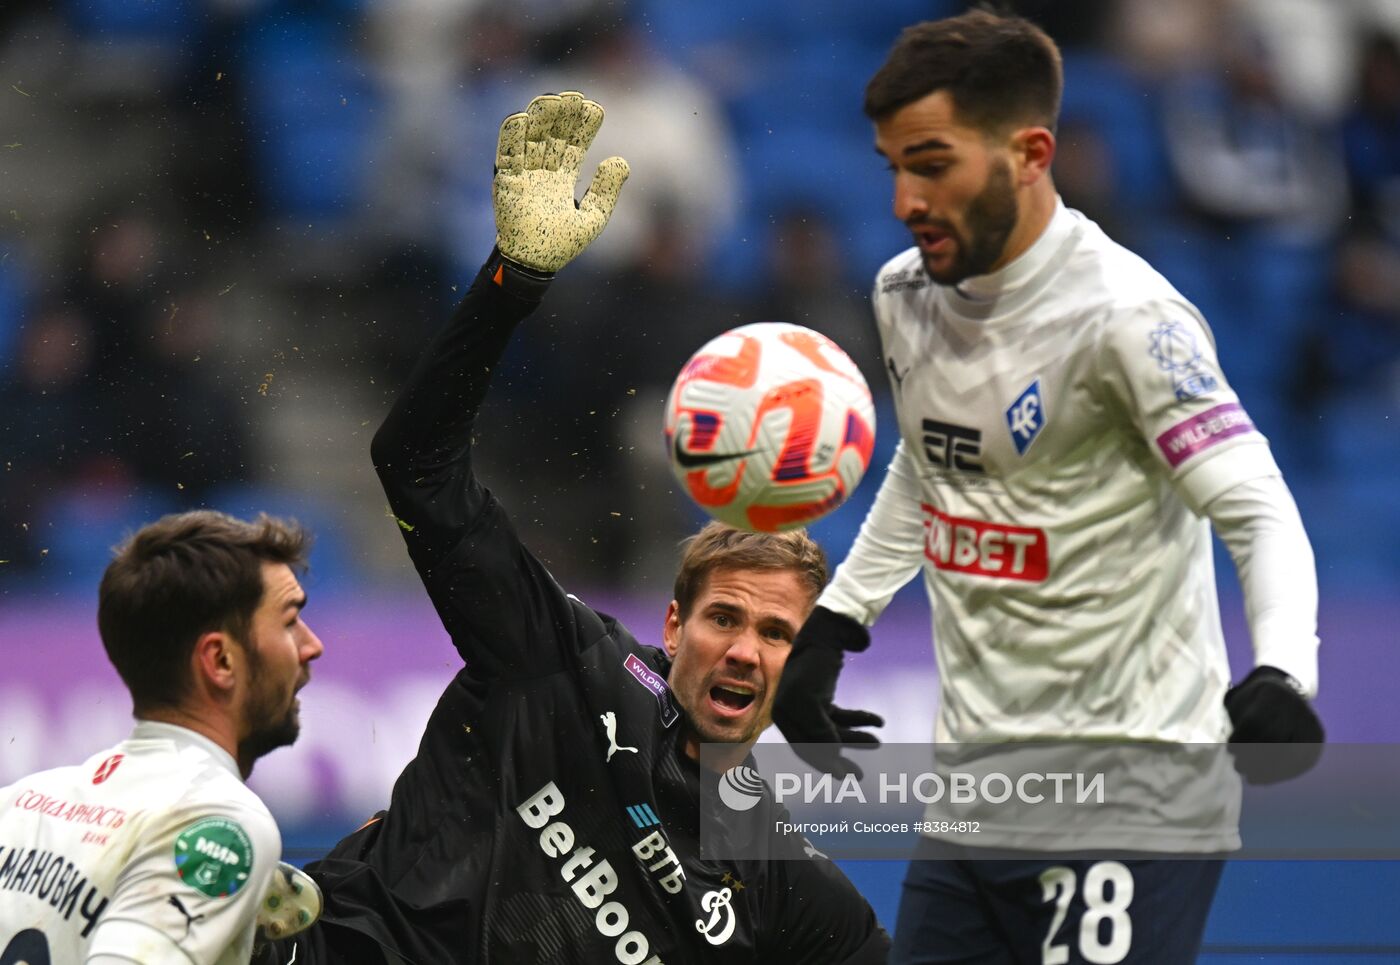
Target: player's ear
x: 1034, y: 150
x: 215, y: 660
x: 671, y: 635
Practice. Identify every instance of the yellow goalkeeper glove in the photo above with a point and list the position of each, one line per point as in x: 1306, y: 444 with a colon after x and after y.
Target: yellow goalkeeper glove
x: 538, y: 222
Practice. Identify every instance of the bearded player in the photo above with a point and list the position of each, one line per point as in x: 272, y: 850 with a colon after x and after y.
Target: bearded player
x: 1068, y: 441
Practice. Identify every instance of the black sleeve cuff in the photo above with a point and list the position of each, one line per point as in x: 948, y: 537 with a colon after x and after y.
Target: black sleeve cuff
x: 527, y: 284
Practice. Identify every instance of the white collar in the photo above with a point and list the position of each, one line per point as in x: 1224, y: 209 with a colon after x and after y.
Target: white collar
x: 184, y: 737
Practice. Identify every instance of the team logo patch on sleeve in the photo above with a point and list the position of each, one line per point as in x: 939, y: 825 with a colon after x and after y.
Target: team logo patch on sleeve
x: 214, y: 856
x: 653, y: 681
x: 1200, y: 432
x: 1175, y: 350
x: 1026, y: 417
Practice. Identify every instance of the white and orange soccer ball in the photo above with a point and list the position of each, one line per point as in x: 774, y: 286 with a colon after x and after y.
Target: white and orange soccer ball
x: 769, y: 426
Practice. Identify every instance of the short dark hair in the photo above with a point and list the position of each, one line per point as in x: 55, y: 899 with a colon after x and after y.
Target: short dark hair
x: 718, y: 546
x: 1001, y: 71
x: 177, y: 578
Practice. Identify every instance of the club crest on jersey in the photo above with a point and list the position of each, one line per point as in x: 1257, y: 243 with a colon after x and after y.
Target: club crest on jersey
x: 1174, y: 348
x: 720, y: 926
x: 1026, y: 417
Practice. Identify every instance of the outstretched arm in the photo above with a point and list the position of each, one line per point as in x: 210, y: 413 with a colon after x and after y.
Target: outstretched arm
x: 423, y: 451
x: 494, y: 597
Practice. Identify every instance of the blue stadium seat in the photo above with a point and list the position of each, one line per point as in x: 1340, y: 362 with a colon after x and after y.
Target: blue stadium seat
x: 80, y: 528
x: 1188, y: 259
x: 815, y: 87
x: 737, y: 262
x: 1282, y: 289
x: 315, y: 110
x: 802, y: 165
x: 1272, y: 293
x: 1354, y: 526
x: 1101, y: 92
x: 681, y: 29
x: 1361, y: 436
x: 877, y: 23
x: 166, y: 23
x: 12, y: 301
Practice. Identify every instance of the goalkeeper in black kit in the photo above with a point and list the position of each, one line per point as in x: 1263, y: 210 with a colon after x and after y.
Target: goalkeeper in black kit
x: 552, y: 812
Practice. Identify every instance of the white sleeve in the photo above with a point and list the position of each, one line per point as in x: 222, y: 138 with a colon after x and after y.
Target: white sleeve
x: 887, y: 552
x: 1158, y: 364
x: 1259, y: 523
x: 191, y: 890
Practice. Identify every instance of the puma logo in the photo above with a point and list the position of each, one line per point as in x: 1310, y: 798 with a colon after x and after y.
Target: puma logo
x: 189, y: 919
x: 898, y: 375
x: 610, y: 725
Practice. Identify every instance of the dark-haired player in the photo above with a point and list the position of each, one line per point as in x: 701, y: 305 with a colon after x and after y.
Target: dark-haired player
x: 154, y: 850
x: 1068, y: 442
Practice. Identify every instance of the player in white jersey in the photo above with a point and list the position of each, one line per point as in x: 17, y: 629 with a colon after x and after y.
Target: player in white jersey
x: 155, y: 850
x: 1067, y: 441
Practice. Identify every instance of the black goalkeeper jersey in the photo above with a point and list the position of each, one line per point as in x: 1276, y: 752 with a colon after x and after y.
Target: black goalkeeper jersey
x: 550, y: 815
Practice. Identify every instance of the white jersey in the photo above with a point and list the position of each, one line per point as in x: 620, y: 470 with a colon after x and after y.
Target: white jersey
x: 1059, y: 439
x: 152, y: 851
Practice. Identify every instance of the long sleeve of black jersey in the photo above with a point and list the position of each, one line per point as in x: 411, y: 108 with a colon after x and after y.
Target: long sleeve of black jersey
x: 506, y: 614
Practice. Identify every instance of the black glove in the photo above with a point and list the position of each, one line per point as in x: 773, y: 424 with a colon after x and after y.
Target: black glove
x: 1268, y: 709
x: 803, y: 709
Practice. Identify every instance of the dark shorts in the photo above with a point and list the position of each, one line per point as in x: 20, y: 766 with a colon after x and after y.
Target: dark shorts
x: 959, y: 908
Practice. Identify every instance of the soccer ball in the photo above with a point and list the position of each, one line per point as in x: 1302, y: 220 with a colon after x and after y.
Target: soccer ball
x: 769, y: 426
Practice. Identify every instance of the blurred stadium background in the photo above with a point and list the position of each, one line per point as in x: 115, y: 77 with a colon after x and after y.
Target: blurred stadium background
x: 226, y: 227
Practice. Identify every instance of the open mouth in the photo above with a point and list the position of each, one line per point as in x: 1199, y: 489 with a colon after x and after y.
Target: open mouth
x: 732, y: 698
x: 932, y: 241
